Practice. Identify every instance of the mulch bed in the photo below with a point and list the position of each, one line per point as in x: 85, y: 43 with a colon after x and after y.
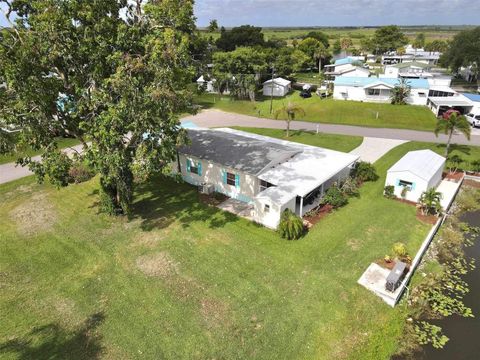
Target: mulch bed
x: 321, y: 213
x: 213, y: 200
x: 390, y: 265
x: 453, y: 176
x: 405, y: 201
x: 428, y: 219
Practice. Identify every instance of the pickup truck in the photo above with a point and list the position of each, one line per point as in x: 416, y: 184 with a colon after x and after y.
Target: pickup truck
x: 473, y: 119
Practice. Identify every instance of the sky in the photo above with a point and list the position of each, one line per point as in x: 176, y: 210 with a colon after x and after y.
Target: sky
x: 338, y: 12
x: 334, y: 12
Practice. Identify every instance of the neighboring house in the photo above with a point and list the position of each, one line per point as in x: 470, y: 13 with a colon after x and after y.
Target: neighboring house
x: 279, y: 87
x: 269, y: 174
x: 346, y: 67
x: 414, y: 69
x: 441, y: 100
x: 374, y: 89
x: 417, y: 172
x: 423, y: 57
x: 469, y: 73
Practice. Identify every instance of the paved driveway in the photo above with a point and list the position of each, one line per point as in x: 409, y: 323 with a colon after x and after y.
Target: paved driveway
x: 217, y: 118
x: 372, y: 149
x: 10, y: 172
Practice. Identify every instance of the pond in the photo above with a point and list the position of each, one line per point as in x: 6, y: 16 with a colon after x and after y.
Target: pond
x: 464, y: 333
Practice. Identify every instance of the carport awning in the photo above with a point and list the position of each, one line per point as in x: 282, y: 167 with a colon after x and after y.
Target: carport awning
x: 451, y: 101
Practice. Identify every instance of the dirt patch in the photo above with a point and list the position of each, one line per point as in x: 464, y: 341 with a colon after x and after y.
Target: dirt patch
x: 214, y: 199
x: 472, y: 183
x: 158, y: 265
x: 214, y: 312
x: 455, y: 177
x: 35, y: 215
x: 354, y: 244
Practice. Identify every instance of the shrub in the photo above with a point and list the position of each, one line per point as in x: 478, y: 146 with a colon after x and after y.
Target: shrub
x: 404, y: 192
x: 335, y: 197
x: 364, y: 171
x: 389, y: 191
x: 475, y: 165
x: 80, y: 172
x: 400, y: 250
x: 291, y: 226
x: 350, y: 187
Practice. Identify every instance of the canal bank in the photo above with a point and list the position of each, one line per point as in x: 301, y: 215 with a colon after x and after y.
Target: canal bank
x: 464, y: 333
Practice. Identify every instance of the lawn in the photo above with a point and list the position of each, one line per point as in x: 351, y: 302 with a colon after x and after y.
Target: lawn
x: 23, y: 152
x: 183, y: 280
x: 332, y: 111
x: 343, y: 143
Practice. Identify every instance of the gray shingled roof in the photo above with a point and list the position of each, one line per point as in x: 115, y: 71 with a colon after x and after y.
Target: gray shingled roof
x: 235, y: 151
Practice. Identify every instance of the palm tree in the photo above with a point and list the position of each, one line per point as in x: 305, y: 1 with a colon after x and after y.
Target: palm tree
x: 321, y: 52
x: 430, y: 202
x: 450, y: 122
x: 290, y: 111
x: 401, y: 92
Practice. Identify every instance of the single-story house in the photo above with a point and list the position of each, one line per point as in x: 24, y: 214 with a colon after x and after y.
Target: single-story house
x: 209, y: 86
x: 346, y: 67
x: 269, y: 174
x: 277, y: 87
x: 412, y: 69
x: 417, y: 172
x: 373, y: 89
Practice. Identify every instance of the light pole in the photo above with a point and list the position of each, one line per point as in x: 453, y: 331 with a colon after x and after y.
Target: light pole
x: 271, y: 90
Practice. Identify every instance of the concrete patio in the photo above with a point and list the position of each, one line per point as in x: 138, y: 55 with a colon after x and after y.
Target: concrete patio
x: 374, y: 279
x: 238, y: 208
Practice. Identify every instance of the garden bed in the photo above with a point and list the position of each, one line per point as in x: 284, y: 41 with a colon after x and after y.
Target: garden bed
x: 317, y: 214
x: 456, y: 176
x: 214, y: 199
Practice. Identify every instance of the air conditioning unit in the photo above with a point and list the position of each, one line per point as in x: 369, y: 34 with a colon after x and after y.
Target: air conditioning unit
x: 207, y: 189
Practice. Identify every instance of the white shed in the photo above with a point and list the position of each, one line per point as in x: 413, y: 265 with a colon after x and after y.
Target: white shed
x: 278, y: 86
x: 417, y: 171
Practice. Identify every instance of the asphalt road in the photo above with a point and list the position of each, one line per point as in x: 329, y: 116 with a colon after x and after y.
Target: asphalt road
x: 217, y: 118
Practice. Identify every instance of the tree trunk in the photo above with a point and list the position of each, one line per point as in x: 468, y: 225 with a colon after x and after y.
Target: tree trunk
x: 319, y: 66
x: 447, y: 149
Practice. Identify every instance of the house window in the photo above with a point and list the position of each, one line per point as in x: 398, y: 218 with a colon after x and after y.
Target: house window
x: 194, y: 168
x: 264, y: 185
x: 422, y: 94
x: 406, y: 184
x: 374, y: 92
x: 266, y: 208
x: 231, y: 179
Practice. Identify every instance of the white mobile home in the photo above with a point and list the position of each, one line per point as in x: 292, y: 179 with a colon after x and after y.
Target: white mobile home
x: 416, y: 172
x: 269, y: 174
x: 374, y: 89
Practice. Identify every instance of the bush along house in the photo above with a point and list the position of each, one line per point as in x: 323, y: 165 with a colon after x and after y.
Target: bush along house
x: 271, y: 175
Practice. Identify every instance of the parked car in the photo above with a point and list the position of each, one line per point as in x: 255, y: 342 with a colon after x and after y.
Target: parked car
x: 305, y: 94
x: 473, y: 119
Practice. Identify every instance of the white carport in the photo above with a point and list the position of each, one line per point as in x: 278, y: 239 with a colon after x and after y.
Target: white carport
x: 417, y: 171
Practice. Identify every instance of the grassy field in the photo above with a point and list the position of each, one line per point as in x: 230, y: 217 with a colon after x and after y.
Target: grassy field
x: 183, y: 280
x: 332, y: 111
x: 62, y: 143
x: 355, y: 34
x: 343, y: 143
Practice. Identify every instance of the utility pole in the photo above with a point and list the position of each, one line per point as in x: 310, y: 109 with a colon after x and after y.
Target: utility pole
x: 271, y: 90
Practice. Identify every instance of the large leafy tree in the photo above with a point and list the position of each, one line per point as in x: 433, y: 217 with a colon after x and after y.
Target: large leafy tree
x: 241, y: 36
x: 318, y: 35
x: 449, y: 123
x: 388, y: 38
x: 464, y: 50
x: 116, y: 83
x: 240, y: 70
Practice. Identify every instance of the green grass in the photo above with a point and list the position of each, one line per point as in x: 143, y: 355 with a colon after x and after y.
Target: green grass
x: 343, y: 143
x: 332, y: 111
x: 23, y: 152
x: 72, y: 284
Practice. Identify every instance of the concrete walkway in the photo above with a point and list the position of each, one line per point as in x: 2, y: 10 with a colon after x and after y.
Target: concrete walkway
x: 217, y: 118
x: 372, y: 149
x: 10, y: 171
